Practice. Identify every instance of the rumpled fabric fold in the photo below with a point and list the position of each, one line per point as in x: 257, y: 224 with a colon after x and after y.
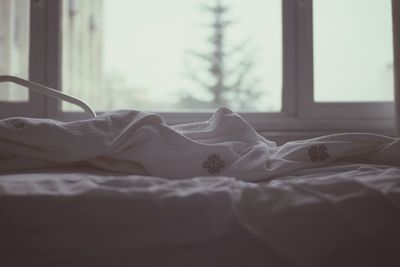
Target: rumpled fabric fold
x: 142, y: 143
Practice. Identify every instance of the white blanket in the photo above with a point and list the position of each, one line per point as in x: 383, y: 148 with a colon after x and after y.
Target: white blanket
x: 141, y: 143
x: 343, y: 215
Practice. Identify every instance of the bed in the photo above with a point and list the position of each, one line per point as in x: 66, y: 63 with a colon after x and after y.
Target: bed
x: 125, y: 189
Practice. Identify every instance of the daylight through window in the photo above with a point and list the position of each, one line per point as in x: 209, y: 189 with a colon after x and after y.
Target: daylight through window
x: 174, y: 55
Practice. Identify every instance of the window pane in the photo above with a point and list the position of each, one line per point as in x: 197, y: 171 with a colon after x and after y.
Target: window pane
x: 353, y: 51
x: 173, y: 55
x: 14, y: 47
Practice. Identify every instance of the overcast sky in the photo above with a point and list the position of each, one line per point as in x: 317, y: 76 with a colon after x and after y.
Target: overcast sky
x: 146, y: 42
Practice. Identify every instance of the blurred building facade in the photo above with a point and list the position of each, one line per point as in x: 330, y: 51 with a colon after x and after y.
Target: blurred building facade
x: 82, y: 52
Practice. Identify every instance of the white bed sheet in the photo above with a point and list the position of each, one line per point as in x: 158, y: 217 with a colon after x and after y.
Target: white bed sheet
x: 140, y: 143
x: 95, y: 218
x: 341, y: 215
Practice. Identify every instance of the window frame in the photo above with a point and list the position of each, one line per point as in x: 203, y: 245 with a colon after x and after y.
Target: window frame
x: 300, y: 113
x: 44, y: 60
x: 310, y: 108
x: 300, y: 117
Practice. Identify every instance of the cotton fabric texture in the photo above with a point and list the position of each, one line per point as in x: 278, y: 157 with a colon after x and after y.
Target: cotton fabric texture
x: 135, y: 142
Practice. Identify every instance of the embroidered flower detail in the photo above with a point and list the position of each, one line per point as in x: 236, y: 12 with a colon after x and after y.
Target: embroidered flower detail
x: 214, y: 164
x: 15, y: 123
x: 317, y: 153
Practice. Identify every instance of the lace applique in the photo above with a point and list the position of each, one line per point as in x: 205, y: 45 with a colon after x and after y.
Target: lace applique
x: 317, y: 153
x: 15, y: 123
x: 214, y: 164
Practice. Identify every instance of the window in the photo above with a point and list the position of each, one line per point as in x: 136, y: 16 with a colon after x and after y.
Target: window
x: 348, y: 72
x: 33, y: 29
x: 311, y: 65
x: 353, y: 54
x: 175, y: 55
x: 14, y: 47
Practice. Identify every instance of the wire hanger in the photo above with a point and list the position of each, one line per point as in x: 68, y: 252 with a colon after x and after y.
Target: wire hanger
x: 49, y: 92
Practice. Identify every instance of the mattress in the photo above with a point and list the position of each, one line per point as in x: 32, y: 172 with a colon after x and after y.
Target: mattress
x: 337, y: 215
x: 86, y: 217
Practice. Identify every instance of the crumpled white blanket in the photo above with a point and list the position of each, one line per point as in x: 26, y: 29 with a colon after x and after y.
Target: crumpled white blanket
x: 343, y: 215
x: 339, y: 215
x: 136, y: 142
